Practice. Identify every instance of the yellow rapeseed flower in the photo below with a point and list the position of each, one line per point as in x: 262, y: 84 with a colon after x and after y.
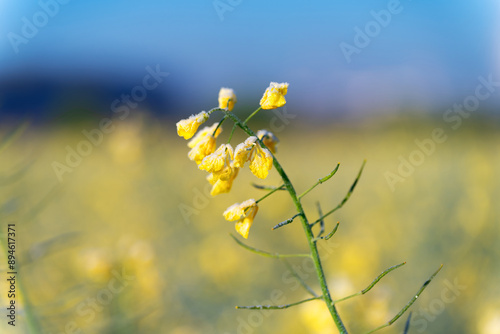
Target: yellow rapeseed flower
x: 261, y: 160
x: 207, y: 130
x: 227, y: 98
x: 223, y: 181
x: 187, y: 127
x: 243, y: 151
x: 269, y: 139
x: 203, y: 148
x: 274, y: 96
x: 203, y: 143
x: 244, y: 214
x: 217, y: 161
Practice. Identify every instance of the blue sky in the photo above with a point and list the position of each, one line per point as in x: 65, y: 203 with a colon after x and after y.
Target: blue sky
x: 429, y: 55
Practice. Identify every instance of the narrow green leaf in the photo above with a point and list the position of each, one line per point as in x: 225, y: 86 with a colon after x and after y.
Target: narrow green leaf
x: 264, y: 253
x: 410, y: 303
x: 275, y: 307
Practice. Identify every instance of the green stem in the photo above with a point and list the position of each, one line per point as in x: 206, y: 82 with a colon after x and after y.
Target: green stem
x: 252, y: 115
x: 299, y: 279
x: 231, y: 134
x: 258, y: 186
x: 307, y: 229
x: 218, y: 125
x: 320, y: 181
x: 410, y: 303
x: 372, y: 284
x: 341, y: 204
x: 266, y: 254
x: 270, y: 193
x: 329, y: 235
x: 276, y: 307
x: 286, y: 222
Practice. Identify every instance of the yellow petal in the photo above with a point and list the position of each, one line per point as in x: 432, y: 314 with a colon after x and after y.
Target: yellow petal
x: 237, y: 211
x: 221, y: 187
x: 227, y: 98
x: 187, y: 127
x: 261, y: 163
x: 203, y: 148
x: 274, y: 96
x: 212, y: 163
x: 243, y: 151
x: 234, y: 212
x: 269, y: 139
x: 216, y: 161
x: 243, y: 227
x: 207, y: 130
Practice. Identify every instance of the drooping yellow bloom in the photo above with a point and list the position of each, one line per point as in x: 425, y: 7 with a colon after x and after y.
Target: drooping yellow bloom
x: 269, y: 139
x: 187, y: 127
x: 261, y: 160
x: 227, y: 98
x: 217, y: 161
x: 207, y: 130
x: 222, y: 181
x: 274, y: 96
x: 203, y: 143
x: 203, y: 148
x: 243, y: 151
x: 244, y: 214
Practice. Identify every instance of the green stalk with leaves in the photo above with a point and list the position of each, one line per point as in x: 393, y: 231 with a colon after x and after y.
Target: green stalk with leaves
x: 259, y: 150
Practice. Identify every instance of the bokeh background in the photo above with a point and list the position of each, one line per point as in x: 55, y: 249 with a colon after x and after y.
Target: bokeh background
x: 125, y: 239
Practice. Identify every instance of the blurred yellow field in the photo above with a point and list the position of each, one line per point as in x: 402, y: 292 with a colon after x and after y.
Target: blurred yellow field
x: 130, y: 241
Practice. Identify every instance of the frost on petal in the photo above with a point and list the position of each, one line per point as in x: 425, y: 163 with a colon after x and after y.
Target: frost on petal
x: 207, y: 130
x: 234, y: 212
x: 202, y: 149
x: 243, y: 151
x: 243, y: 225
x: 274, y: 96
x: 269, y: 139
x: 227, y: 98
x: 187, y: 127
x: 261, y: 163
x: 216, y: 161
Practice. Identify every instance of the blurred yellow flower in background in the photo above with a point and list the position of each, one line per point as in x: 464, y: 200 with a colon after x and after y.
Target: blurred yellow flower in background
x: 274, y: 96
x: 243, y: 213
x: 489, y: 321
x: 187, y: 127
x: 227, y: 98
x: 317, y: 318
x: 97, y: 264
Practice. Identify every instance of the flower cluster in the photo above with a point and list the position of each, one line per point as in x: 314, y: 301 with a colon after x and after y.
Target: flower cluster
x: 224, y: 163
